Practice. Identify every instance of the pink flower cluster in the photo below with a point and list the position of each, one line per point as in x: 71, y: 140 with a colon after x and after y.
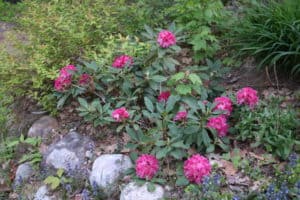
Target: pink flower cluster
x: 120, y: 114
x: 166, y: 39
x: 64, y: 79
x: 122, y: 61
x: 180, y: 116
x: 146, y: 166
x: 223, y: 104
x: 84, y: 79
x: 247, y: 96
x: 218, y: 123
x: 164, y: 96
x: 196, y: 167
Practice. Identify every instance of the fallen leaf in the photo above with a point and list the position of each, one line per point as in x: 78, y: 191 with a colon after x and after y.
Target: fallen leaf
x: 228, y: 168
x: 256, y: 156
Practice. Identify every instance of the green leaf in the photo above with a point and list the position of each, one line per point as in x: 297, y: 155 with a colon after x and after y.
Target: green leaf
x: 195, y: 79
x: 162, y: 153
x: 132, y: 133
x: 160, y: 143
x: 53, y: 181
x: 150, y: 187
x: 178, y: 153
x: 177, y: 77
x: 22, y: 138
x: 83, y: 103
x: 183, y: 89
x: 62, y: 100
x: 158, y: 78
x: 180, y: 144
x: 148, y: 104
x: 171, y: 102
x: 182, y: 181
x: 60, y: 172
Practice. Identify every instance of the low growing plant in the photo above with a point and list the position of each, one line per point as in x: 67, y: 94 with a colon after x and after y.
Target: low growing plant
x: 269, y: 126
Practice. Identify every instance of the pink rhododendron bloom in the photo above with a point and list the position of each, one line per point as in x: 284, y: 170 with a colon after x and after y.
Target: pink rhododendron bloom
x: 248, y: 96
x: 120, y: 114
x: 223, y: 104
x: 164, y: 96
x: 218, y: 123
x: 180, y: 116
x: 166, y: 38
x: 64, y: 79
x: 196, y: 167
x: 84, y: 79
x: 146, y: 166
x: 67, y: 71
x: 122, y: 61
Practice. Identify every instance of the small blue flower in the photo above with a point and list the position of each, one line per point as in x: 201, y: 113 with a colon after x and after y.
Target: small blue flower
x: 85, y: 194
x: 293, y: 159
x: 68, y: 188
x: 217, y: 179
x: 235, y: 198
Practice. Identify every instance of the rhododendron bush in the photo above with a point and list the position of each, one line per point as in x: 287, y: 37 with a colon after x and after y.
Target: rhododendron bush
x: 166, y: 109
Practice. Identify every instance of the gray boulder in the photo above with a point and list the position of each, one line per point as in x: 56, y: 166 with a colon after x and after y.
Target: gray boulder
x: 23, y: 173
x: 69, y: 153
x: 43, y: 127
x: 43, y: 194
x: 108, y: 170
x: 135, y: 192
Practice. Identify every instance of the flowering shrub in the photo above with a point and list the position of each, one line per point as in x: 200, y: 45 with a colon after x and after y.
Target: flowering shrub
x: 120, y: 114
x: 64, y: 79
x: 166, y: 39
x: 196, y: 168
x: 146, y: 166
x: 218, y: 123
x: 84, y: 79
x: 247, y: 96
x: 181, y: 116
x: 122, y: 61
x: 163, y: 96
x: 223, y: 104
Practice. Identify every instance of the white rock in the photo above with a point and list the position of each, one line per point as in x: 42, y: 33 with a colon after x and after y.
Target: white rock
x: 23, y: 173
x: 41, y: 194
x: 135, y: 192
x: 69, y: 153
x: 107, y: 170
x: 63, y: 158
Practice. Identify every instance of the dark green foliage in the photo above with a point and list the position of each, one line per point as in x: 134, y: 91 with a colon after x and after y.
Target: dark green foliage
x: 269, y: 126
x: 271, y: 33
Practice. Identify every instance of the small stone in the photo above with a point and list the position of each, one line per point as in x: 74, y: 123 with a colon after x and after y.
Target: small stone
x: 107, y: 170
x: 23, y: 173
x: 135, y: 192
x: 42, y: 194
x: 69, y: 153
x: 43, y: 127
